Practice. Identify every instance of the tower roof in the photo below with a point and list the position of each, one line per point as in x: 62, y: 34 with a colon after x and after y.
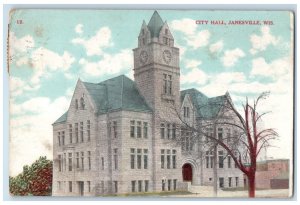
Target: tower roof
x: 155, y: 24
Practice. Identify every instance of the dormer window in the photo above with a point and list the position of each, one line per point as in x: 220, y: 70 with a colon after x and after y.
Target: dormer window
x: 165, y: 40
x: 166, y: 31
x: 82, y: 104
x: 143, y: 31
x: 76, y: 104
x: 143, y: 41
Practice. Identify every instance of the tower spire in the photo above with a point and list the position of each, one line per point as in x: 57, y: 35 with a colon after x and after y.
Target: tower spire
x: 155, y: 24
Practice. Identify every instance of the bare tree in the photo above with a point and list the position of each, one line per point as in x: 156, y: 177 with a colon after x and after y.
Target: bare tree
x: 244, y: 146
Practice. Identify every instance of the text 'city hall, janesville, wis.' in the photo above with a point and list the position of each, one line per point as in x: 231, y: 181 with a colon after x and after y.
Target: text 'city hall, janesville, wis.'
x: 122, y: 136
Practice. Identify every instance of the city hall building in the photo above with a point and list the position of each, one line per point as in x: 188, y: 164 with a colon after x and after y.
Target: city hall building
x: 123, y: 136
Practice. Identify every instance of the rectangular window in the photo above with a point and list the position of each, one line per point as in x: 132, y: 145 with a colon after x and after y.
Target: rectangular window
x: 63, y: 138
x: 89, y: 160
x: 145, y: 158
x: 229, y: 161
x: 88, y: 131
x: 65, y: 162
x: 77, y: 159
x: 70, y: 186
x: 162, y: 131
x: 212, y: 158
x: 139, y: 158
x: 139, y: 185
x: 169, y: 84
x: 165, y: 84
x: 115, y: 129
x: 132, y: 158
x: 174, y: 131
x: 59, y: 163
x: 168, y: 159
x: 89, y: 186
x: 139, y: 129
x: 168, y: 131
x: 221, y: 182
x: 58, y: 138
x: 220, y: 134
x: 174, y: 184
x: 132, y: 186
x: 132, y: 126
x: 174, y: 159
x: 162, y: 158
x: 163, y: 185
x: 165, y: 40
x: 207, y: 159
x: 169, y: 184
x: 115, y: 186
x: 82, y: 160
x: 145, y: 130
x: 70, y: 161
x: 76, y: 132
x: 229, y: 181
x: 186, y: 112
x: 221, y: 159
x: 81, y: 131
x: 146, y: 185
x: 116, y: 158
x: 70, y: 134
x: 102, y: 163
x: 236, y: 181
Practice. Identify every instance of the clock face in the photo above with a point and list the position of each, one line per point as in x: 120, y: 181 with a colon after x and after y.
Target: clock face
x: 167, y: 56
x: 143, y: 57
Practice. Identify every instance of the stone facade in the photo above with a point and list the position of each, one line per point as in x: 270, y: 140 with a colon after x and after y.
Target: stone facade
x: 103, y: 146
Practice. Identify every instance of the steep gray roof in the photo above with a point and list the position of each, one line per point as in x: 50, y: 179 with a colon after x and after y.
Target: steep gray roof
x: 206, y: 107
x: 155, y: 24
x: 119, y: 93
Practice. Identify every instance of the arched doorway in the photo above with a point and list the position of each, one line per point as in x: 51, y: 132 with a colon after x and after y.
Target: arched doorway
x: 187, y: 172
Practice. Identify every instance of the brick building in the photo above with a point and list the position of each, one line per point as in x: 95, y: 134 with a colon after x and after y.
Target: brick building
x: 121, y: 136
x: 272, y: 174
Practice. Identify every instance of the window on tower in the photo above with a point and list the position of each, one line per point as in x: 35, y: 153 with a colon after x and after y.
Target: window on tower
x: 167, y: 84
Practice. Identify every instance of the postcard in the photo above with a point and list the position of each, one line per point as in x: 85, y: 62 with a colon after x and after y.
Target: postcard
x: 151, y: 103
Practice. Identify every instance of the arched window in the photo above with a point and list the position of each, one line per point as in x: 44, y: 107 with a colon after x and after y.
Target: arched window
x: 82, y: 104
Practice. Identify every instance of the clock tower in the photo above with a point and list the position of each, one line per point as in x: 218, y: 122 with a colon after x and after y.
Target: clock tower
x: 156, y: 65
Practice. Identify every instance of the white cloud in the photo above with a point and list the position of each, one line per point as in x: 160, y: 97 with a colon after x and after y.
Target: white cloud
x: 200, y: 39
x: 192, y: 63
x: 43, y: 61
x: 195, y: 75
x: 194, y: 38
x: 78, y: 28
x: 19, y: 46
x: 31, y: 134
x: 108, y: 64
x: 43, y: 58
x: 232, y: 56
x: 260, y: 43
x: 95, y: 44
x: 186, y: 26
x: 216, y: 47
x: 274, y: 69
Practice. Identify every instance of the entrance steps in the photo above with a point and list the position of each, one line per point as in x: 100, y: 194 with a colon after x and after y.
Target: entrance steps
x: 203, y: 190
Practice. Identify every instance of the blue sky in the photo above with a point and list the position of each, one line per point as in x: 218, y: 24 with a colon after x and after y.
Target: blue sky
x: 51, y: 49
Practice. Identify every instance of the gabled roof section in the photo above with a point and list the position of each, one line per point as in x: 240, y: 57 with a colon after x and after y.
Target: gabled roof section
x: 62, y: 118
x: 155, y: 24
x: 206, y: 108
x: 119, y: 93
